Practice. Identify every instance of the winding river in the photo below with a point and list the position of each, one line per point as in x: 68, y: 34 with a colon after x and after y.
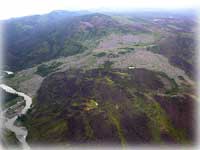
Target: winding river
x: 20, y: 132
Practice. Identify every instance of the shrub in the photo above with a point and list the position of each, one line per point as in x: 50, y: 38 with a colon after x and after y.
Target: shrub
x: 155, y: 48
x: 101, y: 54
x: 45, y: 69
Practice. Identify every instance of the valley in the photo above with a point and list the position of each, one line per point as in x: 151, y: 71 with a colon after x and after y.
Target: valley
x: 104, y: 78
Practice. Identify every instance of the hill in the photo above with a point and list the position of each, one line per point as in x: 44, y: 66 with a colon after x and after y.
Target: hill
x: 111, y: 106
x: 124, y: 78
x: 35, y: 39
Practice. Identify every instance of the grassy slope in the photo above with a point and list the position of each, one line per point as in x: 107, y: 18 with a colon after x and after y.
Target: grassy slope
x: 119, y: 117
x: 10, y: 139
x: 126, y: 110
x: 48, y: 39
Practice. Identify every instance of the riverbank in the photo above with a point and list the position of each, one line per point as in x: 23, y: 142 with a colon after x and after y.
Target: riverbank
x: 9, y: 122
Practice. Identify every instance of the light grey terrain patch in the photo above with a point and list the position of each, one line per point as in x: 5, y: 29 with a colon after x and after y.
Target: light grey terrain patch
x: 31, y: 86
x: 151, y: 61
x: 115, y: 40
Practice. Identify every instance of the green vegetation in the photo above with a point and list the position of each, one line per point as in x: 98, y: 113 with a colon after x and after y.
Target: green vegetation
x: 56, y: 128
x: 174, y: 86
x: 88, y: 129
x: 129, y: 49
x: 116, y: 123
x: 11, y: 102
x: 157, y: 35
x: 101, y: 54
x: 9, y: 99
x: 121, y: 103
x: 122, y: 106
x: 45, y: 69
x: 154, y: 48
x: 122, y: 52
x: 159, y: 122
x: 76, y: 104
x: 9, y: 139
x: 114, y: 118
x: 107, y: 65
x: 43, y: 49
x: 21, y: 119
x: 61, y: 37
x: 8, y: 76
x: 123, y: 19
x: 15, y: 81
x: 135, y: 105
x: 122, y: 74
x: 90, y: 104
x: 72, y: 48
x: 126, y: 50
x: 174, y: 90
x: 109, y: 80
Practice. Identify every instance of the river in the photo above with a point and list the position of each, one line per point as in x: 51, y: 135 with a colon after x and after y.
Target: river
x: 20, y: 132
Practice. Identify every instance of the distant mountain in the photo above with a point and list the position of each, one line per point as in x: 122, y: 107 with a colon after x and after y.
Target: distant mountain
x: 32, y: 40
x: 35, y: 39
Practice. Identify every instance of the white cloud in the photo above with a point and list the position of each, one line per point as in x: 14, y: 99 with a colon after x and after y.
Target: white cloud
x: 14, y: 8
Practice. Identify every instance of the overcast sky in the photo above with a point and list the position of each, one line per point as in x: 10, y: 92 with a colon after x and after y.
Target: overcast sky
x: 16, y: 8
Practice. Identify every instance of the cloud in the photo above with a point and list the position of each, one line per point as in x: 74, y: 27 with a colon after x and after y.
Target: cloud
x: 15, y: 8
